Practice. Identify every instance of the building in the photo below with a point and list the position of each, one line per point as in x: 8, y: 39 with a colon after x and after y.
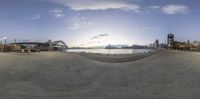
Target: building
x: 110, y: 47
x: 139, y: 47
x: 196, y: 46
x: 170, y: 41
x: 196, y: 43
x: 8, y: 48
x: 157, y: 43
x: 179, y: 45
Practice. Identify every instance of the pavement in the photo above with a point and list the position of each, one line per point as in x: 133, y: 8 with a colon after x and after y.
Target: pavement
x: 48, y: 75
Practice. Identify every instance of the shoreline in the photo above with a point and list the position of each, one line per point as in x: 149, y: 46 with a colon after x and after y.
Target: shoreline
x: 116, y: 58
x: 108, y: 58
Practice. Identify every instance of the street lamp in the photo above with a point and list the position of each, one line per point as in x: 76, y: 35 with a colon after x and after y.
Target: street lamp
x: 5, y: 39
x: 5, y: 43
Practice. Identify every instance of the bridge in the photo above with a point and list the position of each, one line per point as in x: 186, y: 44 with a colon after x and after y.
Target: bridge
x: 47, y: 46
x: 60, y: 44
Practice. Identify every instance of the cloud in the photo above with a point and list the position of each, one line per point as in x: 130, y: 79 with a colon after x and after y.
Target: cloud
x: 57, y: 13
x: 154, y: 7
x: 79, y: 23
x: 99, y: 36
x: 126, y: 5
x: 34, y: 17
x: 91, y: 42
x: 175, y: 9
x: 79, y: 5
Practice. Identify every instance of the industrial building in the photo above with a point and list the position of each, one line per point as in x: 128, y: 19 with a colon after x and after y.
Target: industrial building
x: 170, y: 41
x: 8, y: 48
x: 178, y: 45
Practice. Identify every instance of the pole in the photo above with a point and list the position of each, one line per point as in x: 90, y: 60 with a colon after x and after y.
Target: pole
x: 5, y: 41
x: 5, y: 46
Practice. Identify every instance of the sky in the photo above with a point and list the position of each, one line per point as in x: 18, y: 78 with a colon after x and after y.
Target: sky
x: 99, y: 22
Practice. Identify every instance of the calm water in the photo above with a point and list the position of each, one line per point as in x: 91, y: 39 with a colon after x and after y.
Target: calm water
x: 110, y: 51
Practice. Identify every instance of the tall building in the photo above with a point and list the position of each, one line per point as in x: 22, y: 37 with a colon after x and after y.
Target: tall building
x: 170, y: 41
x: 157, y: 43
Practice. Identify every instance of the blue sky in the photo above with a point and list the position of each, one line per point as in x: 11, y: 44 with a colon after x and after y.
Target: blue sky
x: 99, y: 22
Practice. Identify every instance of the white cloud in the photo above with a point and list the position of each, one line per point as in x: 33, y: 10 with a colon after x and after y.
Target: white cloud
x: 154, y: 7
x: 79, y: 23
x: 99, y: 36
x: 34, y: 17
x: 58, y: 13
x: 81, y: 5
x: 174, y: 9
x: 98, y: 5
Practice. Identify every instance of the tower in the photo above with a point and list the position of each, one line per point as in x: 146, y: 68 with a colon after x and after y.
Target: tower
x: 170, y: 41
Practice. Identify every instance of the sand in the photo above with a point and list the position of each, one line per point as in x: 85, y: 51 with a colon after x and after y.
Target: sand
x: 48, y: 75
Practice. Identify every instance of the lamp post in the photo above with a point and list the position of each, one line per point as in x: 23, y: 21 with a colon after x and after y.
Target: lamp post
x: 5, y: 43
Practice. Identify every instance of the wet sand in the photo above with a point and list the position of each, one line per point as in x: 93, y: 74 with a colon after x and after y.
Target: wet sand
x: 165, y: 75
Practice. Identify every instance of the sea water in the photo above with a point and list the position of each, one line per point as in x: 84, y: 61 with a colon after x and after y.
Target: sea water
x: 110, y: 51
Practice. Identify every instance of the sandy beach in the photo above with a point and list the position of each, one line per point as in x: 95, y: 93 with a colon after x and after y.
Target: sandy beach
x: 54, y: 75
